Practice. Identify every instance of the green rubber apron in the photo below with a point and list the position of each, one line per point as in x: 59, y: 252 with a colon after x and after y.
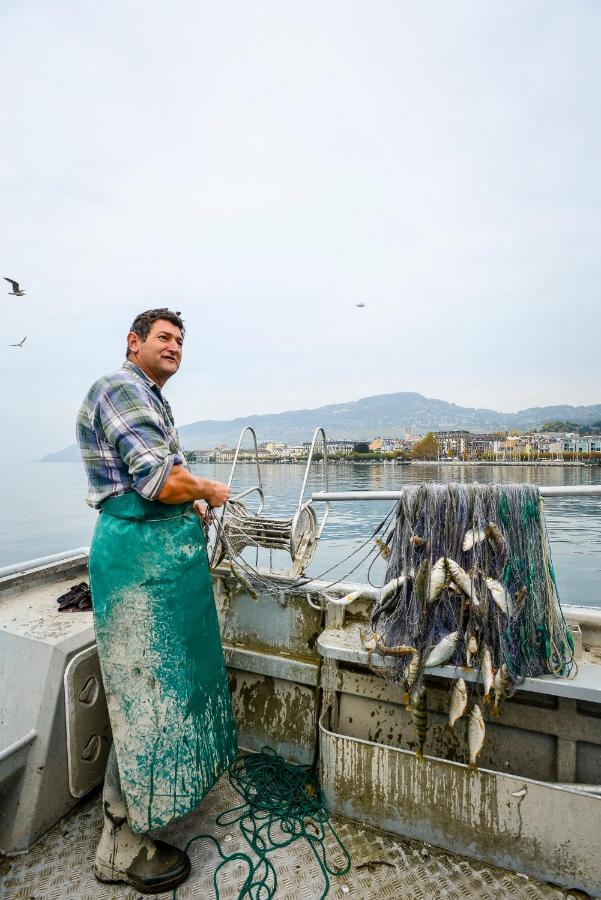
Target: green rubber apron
x: 161, y: 658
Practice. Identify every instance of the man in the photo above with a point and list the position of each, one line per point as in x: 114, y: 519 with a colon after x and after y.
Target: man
x: 154, y: 613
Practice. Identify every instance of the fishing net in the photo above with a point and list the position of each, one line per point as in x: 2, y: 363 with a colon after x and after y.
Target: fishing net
x: 475, y: 584
x: 281, y: 804
x: 229, y: 543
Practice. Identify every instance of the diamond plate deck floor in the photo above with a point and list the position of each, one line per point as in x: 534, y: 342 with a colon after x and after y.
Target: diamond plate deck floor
x: 60, y: 866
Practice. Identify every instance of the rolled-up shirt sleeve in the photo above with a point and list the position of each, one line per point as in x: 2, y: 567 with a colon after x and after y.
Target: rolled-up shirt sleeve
x: 136, y: 431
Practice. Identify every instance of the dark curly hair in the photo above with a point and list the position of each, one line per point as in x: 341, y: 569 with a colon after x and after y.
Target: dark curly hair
x: 144, y: 321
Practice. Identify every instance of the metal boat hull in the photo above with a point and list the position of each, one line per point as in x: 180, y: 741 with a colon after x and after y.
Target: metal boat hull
x: 300, y: 682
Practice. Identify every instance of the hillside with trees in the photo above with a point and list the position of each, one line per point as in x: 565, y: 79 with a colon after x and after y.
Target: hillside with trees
x: 360, y: 420
x: 562, y: 427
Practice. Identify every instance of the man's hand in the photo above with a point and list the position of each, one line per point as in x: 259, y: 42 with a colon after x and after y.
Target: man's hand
x: 216, y: 493
x: 202, y: 511
x: 182, y: 486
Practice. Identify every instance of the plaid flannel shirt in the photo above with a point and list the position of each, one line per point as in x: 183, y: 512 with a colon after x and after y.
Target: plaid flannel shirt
x: 127, y: 436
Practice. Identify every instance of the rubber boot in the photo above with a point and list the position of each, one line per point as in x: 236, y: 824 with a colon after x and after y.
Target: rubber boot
x: 151, y: 867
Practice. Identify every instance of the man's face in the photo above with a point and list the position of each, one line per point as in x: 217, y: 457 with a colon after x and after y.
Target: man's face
x: 160, y: 354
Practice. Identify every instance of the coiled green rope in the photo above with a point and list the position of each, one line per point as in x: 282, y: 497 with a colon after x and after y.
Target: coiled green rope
x: 282, y: 803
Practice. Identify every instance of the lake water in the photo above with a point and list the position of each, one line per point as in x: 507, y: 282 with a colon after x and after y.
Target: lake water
x: 43, y: 511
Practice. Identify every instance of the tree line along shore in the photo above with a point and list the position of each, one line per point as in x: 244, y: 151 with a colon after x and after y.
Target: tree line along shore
x: 538, y: 448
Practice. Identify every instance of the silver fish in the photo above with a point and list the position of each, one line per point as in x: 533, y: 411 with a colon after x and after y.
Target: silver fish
x: 501, y: 682
x: 475, y: 736
x: 438, y: 579
x: 411, y: 673
x: 472, y: 537
x: 500, y: 595
x: 462, y: 580
x: 458, y: 703
x: 486, y: 671
x: 442, y: 652
x: 240, y: 576
x: 471, y: 648
x: 495, y: 538
x: 393, y: 586
x: 378, y: 594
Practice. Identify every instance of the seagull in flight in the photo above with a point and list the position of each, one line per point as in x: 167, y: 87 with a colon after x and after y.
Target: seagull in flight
x: 360, y: 305
x: 20, y: 344
x: 16, y: 291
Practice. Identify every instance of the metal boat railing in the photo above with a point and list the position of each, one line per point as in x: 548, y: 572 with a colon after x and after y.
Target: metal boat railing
x: 41, y: 561
x: 560, y: 490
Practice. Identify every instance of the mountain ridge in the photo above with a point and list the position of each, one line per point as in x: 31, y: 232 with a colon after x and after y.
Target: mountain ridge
x: 368, y: 417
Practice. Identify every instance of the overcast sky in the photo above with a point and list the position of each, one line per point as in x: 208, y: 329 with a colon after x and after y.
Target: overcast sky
x: 264, y: 166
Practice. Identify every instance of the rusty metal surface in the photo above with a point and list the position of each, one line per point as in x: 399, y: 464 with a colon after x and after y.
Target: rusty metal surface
x: 276, y: 712
x: 286, y: 625
x: 545, y: 831
x: 59, y: 867
x: 543, y: 738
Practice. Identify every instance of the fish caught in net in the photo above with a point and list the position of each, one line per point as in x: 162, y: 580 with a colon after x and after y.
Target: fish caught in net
x: 474, y: 587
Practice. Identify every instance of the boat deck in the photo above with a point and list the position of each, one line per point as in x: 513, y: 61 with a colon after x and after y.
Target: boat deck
x: 60, y: 866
